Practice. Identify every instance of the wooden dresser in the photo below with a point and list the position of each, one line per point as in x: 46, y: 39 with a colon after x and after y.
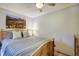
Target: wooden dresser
x: 77, y: 45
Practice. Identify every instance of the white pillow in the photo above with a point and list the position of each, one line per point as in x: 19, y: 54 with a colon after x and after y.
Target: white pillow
x: 16, y: 34
x: 25, y: 33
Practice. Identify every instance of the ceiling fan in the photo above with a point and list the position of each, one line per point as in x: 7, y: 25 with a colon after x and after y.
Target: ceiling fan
x: 41, y: 5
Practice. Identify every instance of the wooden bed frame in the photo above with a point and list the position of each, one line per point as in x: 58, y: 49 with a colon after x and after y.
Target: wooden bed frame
x: 46, y: 49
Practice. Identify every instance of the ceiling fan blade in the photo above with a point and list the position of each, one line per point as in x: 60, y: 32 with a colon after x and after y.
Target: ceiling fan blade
x: 51, y: 4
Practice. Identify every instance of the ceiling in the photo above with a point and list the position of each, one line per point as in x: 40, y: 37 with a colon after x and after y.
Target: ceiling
x: 29, y: 9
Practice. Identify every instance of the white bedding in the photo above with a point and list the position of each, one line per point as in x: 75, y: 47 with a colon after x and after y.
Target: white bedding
x: 23, y: 47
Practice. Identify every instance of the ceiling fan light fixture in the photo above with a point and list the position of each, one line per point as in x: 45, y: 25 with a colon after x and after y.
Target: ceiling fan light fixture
x: 39, y: 5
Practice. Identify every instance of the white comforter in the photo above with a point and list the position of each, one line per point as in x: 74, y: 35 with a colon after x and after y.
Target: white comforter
x: 23, y: 47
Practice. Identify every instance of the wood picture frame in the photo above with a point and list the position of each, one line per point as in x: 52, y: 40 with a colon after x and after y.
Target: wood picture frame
x: 15, y: 23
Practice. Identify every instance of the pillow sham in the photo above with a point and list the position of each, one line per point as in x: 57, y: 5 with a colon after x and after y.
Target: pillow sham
x: 25, y: 33
x: 9, y: 35
x: 16, y: 34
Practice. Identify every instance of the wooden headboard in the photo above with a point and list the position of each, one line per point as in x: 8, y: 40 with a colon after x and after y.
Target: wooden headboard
x: 3, y: 33
x: 19, y: 33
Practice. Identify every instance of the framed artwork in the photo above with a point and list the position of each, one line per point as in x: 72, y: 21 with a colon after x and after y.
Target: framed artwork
x: 15, y: 23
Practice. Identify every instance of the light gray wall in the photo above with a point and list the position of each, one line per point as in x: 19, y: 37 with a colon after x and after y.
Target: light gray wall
x: 3, y: 13
x: 2, y: 17
x: 60, y: 24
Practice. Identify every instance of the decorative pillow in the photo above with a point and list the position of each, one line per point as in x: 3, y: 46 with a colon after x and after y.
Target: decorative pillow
x: 9, y: 35
x: 25, y: 33
x: 16, y: 34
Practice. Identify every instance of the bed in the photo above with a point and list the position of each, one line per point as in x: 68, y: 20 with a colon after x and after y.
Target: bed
x: 31, y: 46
